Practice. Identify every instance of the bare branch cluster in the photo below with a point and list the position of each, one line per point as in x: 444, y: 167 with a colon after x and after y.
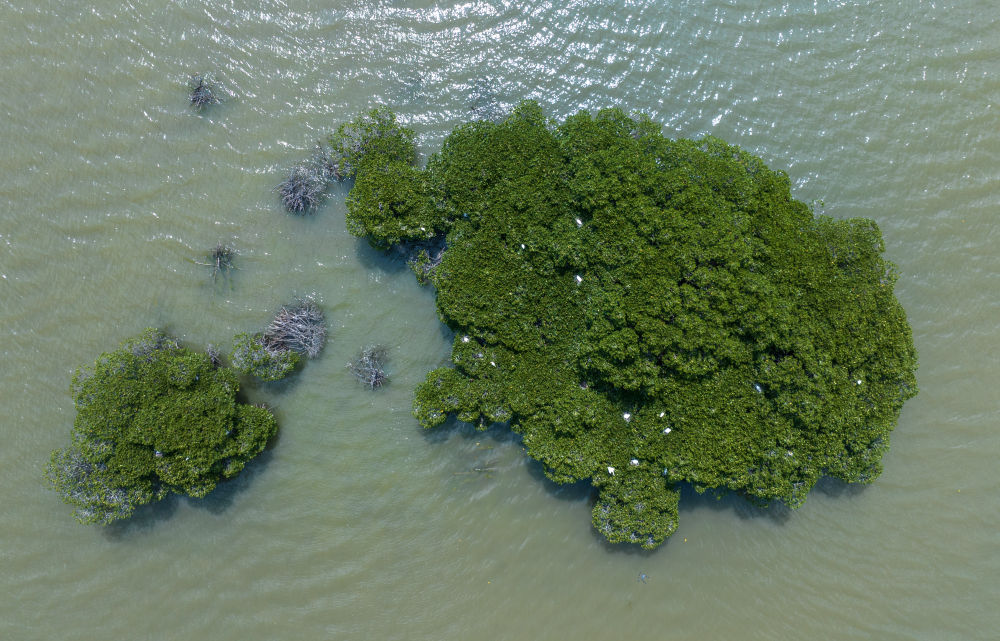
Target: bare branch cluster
x: 299, y: 327
x: 369, y: 367
x: 303, y: 190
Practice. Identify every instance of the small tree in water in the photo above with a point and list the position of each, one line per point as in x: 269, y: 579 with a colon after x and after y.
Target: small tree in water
x: 153, y: 418
x: 253, y: 355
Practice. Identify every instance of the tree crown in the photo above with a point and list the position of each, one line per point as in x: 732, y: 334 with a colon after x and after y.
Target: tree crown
x: 153, y: 418
x: 647, y: 311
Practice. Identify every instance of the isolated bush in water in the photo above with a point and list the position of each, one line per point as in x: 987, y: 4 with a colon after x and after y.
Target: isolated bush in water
x: 375, y: 136
x: 220, y: 259
x: 647, y: 312
x: 153, y: 418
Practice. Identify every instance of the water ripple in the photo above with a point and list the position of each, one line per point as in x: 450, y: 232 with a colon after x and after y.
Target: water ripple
x: 359, y: 525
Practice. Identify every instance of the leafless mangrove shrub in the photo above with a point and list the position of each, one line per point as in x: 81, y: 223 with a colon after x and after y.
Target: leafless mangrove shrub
x: 369, y: 367
x: 302, y: 192
x: 299, y: 327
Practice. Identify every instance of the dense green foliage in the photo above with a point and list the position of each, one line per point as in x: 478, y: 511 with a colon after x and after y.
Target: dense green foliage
x: 390, y: 202
x: 647, y: 311
x: 252, y: 356
x: 154, y: 418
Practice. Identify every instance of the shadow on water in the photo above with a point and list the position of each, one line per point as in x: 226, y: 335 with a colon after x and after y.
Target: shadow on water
x: 217, y: 502
x: 628, y: 549
x: 481, y: 453
x: 690, y: 501
x: 744, y: 508
x: 143, y: 520
x: 391, y: 261
x: 577, y: 492
x: 226, y: 492
x: 498, y: 433
x: 255, y: 390
x: 583, y: 492
x: 829, y: 486
x: 270, y: 389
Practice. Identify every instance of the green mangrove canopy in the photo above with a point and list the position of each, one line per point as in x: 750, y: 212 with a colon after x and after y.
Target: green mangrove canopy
x: 153, y: 418
x: 646, y: 311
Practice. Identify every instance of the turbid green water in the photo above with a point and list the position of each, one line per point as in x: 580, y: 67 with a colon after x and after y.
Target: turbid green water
x: 358, y: 525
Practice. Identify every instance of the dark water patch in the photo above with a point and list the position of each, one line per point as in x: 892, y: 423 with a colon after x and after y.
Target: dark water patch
x: 836, y: 488
x: 725, y: 501
x: 144, y: 520
x: 391, y: 261
x: 578, y: 492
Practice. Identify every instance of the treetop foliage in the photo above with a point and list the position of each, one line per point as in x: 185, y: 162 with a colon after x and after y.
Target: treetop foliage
x: 254, y: 355
x: 647, y: 311
x: 154, y: 418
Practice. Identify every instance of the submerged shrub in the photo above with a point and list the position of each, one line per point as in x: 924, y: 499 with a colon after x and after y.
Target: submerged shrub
x: 220, y: 259
x: 484, y: 100
x: 153, y: 418
x: 647, y: 312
